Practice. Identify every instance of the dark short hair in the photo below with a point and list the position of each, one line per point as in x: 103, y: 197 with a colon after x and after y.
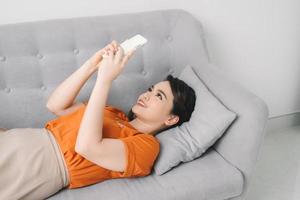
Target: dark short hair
x: 183, y: 102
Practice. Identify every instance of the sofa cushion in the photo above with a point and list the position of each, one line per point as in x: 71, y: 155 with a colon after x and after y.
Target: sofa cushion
x: 207, y: 177
x: 191, y: 139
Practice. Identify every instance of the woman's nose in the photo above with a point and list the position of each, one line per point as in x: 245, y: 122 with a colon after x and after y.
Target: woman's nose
x: 146, y: 97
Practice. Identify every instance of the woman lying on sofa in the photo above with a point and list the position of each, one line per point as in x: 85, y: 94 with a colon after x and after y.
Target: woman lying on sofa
x: 90, y: 142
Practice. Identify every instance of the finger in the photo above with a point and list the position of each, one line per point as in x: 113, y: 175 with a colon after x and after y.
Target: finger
x: 119, y: 54
x: 128, y: 56
x: 111, y: 54
x: 106, y: 53
x: 111, y: 47
x: 115, y: 44
x: 105, y: 56
x: 100, y: 52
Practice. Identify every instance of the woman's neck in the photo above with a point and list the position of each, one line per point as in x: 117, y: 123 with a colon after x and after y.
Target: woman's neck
x: 144, y: 127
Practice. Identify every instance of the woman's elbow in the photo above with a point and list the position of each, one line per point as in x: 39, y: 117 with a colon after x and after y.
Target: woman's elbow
x: 81, y: 149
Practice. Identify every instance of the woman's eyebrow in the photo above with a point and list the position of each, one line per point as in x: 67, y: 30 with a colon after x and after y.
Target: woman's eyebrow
x: 160, y: 91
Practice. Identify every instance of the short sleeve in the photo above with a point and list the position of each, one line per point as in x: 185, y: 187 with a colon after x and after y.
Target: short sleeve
x: 116, y: 111
x: 141, y: 153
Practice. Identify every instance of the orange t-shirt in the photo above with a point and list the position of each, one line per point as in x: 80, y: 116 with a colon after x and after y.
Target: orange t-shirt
x: 141, y: 149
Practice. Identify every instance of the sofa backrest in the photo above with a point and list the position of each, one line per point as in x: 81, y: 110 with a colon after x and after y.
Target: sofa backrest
x: 35, y: 57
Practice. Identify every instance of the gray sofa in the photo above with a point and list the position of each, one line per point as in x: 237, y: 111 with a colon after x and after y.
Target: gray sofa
x: 35, y: 57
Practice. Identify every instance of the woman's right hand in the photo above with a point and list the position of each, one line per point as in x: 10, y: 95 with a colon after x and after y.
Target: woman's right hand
x: 94, y: 61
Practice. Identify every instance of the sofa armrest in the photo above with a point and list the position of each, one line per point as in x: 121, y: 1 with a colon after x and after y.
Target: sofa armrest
x: 241, y: 143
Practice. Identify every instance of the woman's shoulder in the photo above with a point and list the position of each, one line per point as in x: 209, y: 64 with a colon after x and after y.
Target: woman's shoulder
x: 145, y: 138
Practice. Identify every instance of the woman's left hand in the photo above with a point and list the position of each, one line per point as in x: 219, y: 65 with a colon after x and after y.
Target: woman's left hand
x: 112, y: 64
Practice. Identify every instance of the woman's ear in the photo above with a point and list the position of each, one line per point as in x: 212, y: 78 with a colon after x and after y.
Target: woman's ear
x: 173, y: 119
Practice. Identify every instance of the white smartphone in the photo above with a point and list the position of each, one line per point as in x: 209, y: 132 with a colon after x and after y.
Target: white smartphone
x: 133, y: 43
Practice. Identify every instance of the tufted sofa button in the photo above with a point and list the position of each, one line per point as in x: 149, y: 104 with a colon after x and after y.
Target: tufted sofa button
x: 76, y: 51
x: 7, y: 90
x: 169, y: 38
x: 2, y: 58
x: 39, y: 56
x: 43, y: 87
x: 144, y: 72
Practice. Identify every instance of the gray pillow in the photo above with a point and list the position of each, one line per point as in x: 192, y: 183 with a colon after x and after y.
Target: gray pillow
x: 191, y: 139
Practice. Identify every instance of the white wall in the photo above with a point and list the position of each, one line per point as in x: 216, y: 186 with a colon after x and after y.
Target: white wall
x: 257, y: 42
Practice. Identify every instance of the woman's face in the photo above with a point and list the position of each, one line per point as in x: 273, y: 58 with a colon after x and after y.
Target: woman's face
x: 158, y: 102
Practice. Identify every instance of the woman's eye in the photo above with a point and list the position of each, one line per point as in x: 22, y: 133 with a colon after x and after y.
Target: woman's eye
x: 160, y: 96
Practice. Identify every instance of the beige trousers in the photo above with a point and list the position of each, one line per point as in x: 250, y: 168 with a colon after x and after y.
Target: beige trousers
x: 31, y: 164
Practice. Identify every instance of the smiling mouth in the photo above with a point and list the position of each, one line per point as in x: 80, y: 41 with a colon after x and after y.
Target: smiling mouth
x: 141, y: 104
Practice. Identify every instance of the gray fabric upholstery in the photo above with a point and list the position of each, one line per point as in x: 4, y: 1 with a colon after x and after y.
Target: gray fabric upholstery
x: 35, y: 57
x: 241, y: 143
x: 194, y: 180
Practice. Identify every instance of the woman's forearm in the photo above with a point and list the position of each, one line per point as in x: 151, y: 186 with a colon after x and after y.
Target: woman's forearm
x: 90, y: 131
x: 64, y: 95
